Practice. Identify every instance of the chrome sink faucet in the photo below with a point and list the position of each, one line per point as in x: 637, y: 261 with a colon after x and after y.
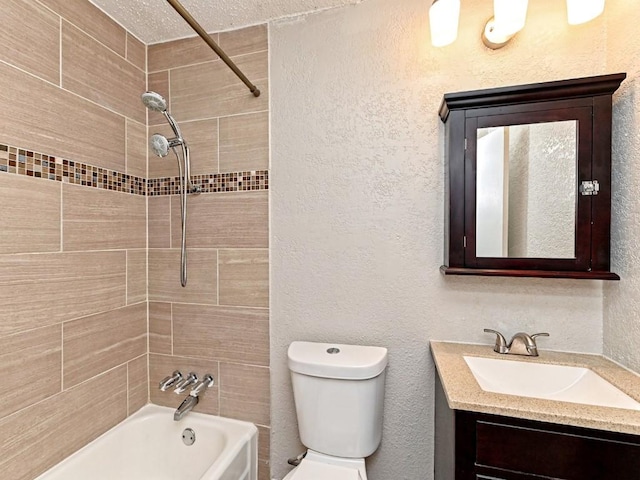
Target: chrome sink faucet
x: 521, y: 343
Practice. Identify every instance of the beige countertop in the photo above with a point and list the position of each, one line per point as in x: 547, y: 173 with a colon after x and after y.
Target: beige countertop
x: 464, y: 393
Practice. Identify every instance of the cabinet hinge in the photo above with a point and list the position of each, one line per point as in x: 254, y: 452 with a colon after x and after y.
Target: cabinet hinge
x: 465, y: 144
x: 464, y: 242
x: 589, y: 187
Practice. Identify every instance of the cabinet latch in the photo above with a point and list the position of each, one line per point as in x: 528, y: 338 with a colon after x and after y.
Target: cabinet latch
x: 589, y: 187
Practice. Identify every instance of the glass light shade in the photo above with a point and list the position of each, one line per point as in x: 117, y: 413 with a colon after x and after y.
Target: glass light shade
x: 509, y: 15
x: 581, y: 11
x: 443, y: 20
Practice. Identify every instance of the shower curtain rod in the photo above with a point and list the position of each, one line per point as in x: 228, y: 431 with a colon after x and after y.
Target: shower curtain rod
x: 178, y: 7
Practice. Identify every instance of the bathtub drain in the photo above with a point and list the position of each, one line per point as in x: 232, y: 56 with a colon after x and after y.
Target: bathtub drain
x: 188, y: 437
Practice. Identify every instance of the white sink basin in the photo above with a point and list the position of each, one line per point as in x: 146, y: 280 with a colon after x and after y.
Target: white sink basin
x: 552, y: 382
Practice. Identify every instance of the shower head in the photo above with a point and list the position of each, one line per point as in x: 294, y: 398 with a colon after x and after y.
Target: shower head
x: 154, y: 101
x: 159, y: 144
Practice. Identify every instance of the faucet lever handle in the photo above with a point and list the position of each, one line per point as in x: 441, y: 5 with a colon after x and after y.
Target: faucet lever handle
x: 191, y: 379
x: 543, y: 334
x: 206, y: 382
x: 501, y: 342
x: 167, y: 382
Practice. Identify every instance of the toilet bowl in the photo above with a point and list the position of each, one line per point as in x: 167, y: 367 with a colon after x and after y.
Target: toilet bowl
x: 339, y: 396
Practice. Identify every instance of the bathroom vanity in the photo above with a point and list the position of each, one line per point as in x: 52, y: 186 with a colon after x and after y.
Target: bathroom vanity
x: 492, y: 436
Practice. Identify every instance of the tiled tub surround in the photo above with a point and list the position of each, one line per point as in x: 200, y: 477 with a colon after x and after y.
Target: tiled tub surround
x: 220, y: 321
x: 73, y: 267
x: 73, y: 310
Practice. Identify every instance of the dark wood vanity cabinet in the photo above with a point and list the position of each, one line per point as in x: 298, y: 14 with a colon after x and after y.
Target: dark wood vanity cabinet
x: 474, y: 446
x: 528, y: 186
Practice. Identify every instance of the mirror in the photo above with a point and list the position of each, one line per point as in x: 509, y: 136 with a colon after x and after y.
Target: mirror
x: 526, y: 190
x: 528, y: 179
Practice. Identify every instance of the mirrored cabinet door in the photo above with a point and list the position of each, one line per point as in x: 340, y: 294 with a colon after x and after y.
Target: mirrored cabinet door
x: 528, y: 184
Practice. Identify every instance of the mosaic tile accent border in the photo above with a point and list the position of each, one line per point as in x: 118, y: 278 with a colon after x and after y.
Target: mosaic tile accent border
x: 213, y: 183
x: 32, y: 164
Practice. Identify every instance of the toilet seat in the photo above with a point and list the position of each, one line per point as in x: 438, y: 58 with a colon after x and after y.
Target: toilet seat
x: 321, y: 471
x: 317, y: 466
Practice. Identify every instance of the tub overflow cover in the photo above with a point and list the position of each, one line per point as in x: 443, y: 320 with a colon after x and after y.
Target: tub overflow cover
x: 188, y: 437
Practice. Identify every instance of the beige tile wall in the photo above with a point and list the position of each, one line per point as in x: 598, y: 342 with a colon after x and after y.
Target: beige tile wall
x: 220, y: 322
x: 73, y: 309
x: 92, y: 311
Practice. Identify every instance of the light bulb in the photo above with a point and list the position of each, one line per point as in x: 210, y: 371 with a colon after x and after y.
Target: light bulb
x: 509, y: 15
x: 443, y: 20
x: 581, y: 11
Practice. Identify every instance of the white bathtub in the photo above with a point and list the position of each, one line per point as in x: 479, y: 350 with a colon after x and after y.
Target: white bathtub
x: 148, y: 446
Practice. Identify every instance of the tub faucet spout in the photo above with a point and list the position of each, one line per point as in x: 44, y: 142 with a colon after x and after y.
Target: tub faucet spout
x: 185, y: 407
x: 193, y: 398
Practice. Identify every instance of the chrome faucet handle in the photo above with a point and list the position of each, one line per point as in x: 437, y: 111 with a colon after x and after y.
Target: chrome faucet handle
x: 206, y: 382
x: 191, y: 379
x: 533, y: 350
x: 172, y: 379
x: 501, y: 342
x: 543, y: 334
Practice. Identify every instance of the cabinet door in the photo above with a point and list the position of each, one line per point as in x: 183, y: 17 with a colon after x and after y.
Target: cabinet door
x: 516, y: 449
x: 521, y: 189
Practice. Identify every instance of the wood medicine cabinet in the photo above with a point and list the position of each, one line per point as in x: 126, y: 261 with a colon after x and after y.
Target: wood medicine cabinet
x: 528, y: 187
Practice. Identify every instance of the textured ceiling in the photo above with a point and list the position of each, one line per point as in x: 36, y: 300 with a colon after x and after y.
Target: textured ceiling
x: 154, y: 21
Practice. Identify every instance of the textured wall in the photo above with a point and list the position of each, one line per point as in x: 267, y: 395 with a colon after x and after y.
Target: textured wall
x: 219, y: 323
x: 73, y: 311
x: 357, y: 202
x: 622, y: 299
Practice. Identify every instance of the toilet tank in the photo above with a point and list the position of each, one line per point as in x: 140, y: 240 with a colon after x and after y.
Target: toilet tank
x: 339, y: 396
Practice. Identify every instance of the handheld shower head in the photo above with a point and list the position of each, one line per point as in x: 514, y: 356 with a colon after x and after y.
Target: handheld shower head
x: 159, y: 144
x: 154, y: 101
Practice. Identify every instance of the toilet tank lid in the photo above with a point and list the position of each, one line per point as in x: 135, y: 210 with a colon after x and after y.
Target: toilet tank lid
x: 333, y: 360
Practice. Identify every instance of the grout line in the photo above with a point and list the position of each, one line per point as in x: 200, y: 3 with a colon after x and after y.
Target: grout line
x: 218, y: 142
x: 219, y: 390
x: 60, y: 53
x: 168, y: 87
x: 62, y: 356
x: 126, y: 146
x: 218, y: 276
x: 197, y: 304
x: 126, y: 277
x: 49, y: 82
x: 217, y: 59
x: 204, y: 119
x: 61, y: 392
x: 171, y: 326
x: 127, y: 387
x: 61, y: 217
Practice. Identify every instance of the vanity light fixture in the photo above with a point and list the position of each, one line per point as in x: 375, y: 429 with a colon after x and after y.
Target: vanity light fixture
x: 443, y: 20
x: 508, y: 19
x: 582, y: 11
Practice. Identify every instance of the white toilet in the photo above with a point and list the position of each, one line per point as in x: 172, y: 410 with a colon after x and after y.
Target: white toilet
x: 339, y: 396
